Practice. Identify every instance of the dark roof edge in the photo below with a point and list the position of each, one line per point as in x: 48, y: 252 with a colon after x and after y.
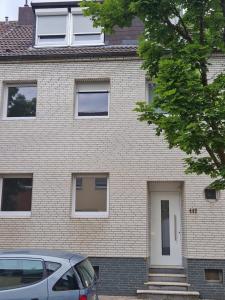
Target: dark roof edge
x: 68, y: 56
x: 55, y: 5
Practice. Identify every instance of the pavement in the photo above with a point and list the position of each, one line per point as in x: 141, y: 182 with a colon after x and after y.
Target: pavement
x: 117, y: 298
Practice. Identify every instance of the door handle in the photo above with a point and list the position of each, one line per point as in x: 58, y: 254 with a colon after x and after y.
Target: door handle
x: 34, y: 299
x: 175, y: 227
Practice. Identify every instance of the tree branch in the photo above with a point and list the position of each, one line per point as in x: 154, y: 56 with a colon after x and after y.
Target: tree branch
x: 179, y: 30
x: 177, y: 14
x: 213, y: 156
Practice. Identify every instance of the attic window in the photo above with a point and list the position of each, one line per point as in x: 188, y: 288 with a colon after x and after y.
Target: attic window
x: 52, y: 30
x: 59, y: 27
x: 83, y: 31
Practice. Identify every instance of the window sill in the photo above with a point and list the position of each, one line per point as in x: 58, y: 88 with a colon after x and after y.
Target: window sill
x: 66, y: 45
x: 17, y: 118
x: 91, y: 117
x: 15, y: 214
x: 90, y: 215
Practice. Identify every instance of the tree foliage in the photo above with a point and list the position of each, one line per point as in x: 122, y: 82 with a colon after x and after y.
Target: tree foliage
x: 180, y: 37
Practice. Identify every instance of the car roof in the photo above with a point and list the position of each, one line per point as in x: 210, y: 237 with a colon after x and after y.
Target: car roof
x: 42, y: 253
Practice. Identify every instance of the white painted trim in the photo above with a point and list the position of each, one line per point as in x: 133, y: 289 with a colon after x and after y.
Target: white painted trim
x: 51, y: 11
x: 5, y: 100
x: 77, y: 10
x: 91, y: 117
x: 88, y: 215
x: 15, y: 214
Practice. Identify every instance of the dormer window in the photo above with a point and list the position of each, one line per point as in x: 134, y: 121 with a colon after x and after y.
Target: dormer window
x: 57, y: 27
x: 83, y: 31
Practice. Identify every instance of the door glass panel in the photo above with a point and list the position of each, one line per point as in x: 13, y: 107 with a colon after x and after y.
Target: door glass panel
x: 165, y: 227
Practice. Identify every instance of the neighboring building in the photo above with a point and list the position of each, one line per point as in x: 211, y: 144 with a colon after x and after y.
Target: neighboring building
x: 79, y: 172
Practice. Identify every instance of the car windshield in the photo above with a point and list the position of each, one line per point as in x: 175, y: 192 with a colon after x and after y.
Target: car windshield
x: 86, y: 273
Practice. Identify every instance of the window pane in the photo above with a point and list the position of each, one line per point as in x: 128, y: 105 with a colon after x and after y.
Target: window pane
x: 16, y: 194
x: 101, y: 183
x: 90, y: 199
x: 82, y: 24
x: 214, y: 275
x: 67, y: 282
x: 22, y: 101
x: 79, y: 183
x: 19, y: 272
x: 165, y: 227
x: 93, y: 104
x: 51, y: 267
x: 210, y: 194
x: 48, y: 25
x: 87, y: 38
x: 86, y: 273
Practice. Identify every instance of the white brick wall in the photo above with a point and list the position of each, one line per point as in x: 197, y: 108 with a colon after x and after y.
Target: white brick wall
x: 55, y: 145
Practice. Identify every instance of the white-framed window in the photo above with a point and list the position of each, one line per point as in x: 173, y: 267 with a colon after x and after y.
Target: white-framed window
x: 92, y: 99
x: 92, y: 200
x: 83, y: 31
x: 57, y: 27
x: 20, y: 101
x: 15, y: 195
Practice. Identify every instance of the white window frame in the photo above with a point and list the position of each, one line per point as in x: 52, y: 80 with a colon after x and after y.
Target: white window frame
x: 5, y: 100
x: 14, y: 214
x: 84, y: 214
x: 53, y: 12
x: 78, y: 11
x: 69, y: 28
x: 91, y: 91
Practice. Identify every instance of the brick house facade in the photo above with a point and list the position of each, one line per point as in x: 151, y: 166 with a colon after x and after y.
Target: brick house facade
x: 55, y: 146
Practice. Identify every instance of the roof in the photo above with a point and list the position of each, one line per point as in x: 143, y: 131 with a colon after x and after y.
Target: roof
x: 41, y: 253
x: 16, y: 42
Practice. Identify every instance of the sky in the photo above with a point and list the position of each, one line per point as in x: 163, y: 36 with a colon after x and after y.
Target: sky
x: 9, y: 8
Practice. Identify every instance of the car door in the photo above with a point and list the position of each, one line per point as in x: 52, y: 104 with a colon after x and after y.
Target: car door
x: 22, y: 279
x: 63, y: 284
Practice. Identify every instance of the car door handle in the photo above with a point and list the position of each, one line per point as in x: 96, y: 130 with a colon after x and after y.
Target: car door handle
x: 34, y: 299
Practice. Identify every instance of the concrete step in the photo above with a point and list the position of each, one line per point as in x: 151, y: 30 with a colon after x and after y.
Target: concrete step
x: 166, y: 270
x: 167, y: 295
x: 167, y: 277
x: 171, y: 286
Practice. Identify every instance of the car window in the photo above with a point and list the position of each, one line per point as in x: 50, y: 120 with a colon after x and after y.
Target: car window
x: 86, y: 273
x: 51, y: 267
x: 67, y: 282
x: 19, y: 272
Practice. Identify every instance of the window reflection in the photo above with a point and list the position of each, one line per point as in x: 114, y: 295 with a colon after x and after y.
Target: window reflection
x: 21, y: 101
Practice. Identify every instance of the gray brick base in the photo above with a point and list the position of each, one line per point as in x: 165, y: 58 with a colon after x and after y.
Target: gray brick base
x: 120, y: 276
x: 196, y: 277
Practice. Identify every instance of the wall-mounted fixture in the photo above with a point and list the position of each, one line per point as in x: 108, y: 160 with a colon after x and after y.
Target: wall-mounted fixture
x: 211, y: 195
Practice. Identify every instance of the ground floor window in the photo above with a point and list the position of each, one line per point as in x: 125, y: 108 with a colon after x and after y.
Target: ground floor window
x: 15, y: 195
x: 90, y: 195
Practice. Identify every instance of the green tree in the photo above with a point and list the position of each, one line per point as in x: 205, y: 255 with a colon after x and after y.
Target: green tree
x: 179, y: 38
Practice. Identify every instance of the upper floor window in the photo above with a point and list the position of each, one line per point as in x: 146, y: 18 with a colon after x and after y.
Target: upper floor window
x: 92, y: 99
x: 20, y: 101
x: 59, y: 27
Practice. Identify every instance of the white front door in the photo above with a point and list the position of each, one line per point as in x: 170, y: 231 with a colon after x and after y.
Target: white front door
x: 165, y: 229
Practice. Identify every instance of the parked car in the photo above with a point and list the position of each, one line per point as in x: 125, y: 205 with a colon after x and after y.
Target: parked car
x: 46, y: 275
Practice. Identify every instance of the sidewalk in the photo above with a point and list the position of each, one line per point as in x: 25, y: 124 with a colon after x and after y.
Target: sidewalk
x: 117, y: 298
